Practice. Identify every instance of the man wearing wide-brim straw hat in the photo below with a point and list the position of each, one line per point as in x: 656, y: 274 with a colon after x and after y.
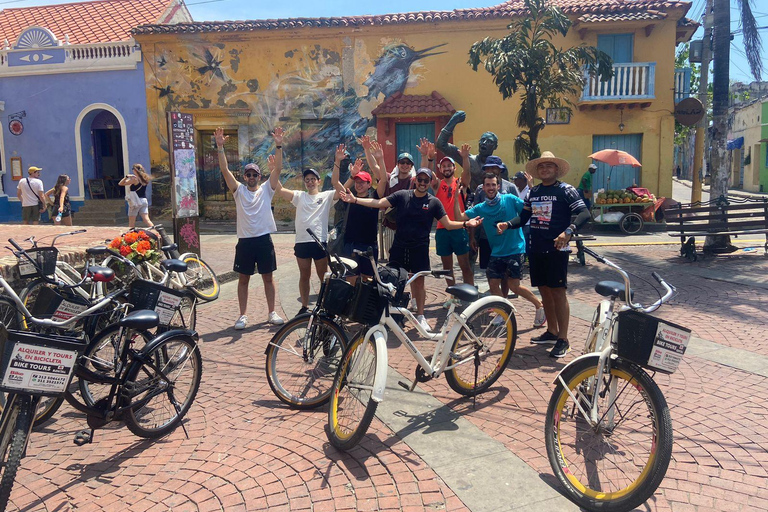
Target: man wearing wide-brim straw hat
x: 550, y: 206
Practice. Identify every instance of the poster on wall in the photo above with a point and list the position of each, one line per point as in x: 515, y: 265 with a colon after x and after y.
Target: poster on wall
x: 184, y: 181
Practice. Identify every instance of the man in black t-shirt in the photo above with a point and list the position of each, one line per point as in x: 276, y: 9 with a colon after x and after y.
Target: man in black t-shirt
x: 416, y: 210
x: 549, y: 207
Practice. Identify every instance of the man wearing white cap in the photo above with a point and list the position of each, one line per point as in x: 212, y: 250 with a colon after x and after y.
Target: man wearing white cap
x: 585, y: 186
x: 30, y: 192
x: 549, y: 207
x: 255, y: 222
x: 416, y: 210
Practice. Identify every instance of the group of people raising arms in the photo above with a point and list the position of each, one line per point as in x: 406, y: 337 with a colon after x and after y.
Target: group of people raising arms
x: 500, y: 210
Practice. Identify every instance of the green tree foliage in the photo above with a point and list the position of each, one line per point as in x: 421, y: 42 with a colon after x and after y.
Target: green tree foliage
x: 526, y: 60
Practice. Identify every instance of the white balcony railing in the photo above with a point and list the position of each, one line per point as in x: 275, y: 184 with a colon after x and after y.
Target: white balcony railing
x: 78, y: 58
x: 631, y: 81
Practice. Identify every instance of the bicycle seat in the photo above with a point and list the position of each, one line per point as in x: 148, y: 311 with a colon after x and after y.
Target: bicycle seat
x: 169, y: 247
x: 141, y: 319
x: 463, y: 291
x: 612, y: 289
x: 100, y: 274
x: 174, y: 265
x: 99, y: 249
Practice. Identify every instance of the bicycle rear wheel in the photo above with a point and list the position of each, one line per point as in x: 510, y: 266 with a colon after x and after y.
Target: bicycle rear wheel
x: 16, y: 426
x: 617, y: 464
x: 352, y: 407
x: 301, y: 372
x: 201, y: 279
x: 492, y: 335
x: 163, y: 387
x: 185, y: 316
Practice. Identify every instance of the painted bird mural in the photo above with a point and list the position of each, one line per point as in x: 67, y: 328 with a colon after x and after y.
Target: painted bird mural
x: 393, y: 67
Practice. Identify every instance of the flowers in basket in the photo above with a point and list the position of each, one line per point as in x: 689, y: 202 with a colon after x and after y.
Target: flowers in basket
x: 137, y: 246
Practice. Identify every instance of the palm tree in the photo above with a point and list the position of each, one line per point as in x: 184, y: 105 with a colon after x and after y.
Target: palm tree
x: 720, y: 87
x: 547, y: 76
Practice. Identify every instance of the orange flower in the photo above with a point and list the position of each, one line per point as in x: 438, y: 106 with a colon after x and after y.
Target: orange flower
x: 143, y: 235
x: 143, y: 247
x: 131, y: 237
x: 125, y: 250
x: 114, y: 244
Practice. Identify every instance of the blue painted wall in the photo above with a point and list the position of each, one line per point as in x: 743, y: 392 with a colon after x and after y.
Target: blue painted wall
x: 52, y: 104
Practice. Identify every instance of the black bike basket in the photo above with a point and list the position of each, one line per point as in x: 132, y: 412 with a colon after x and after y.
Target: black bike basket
x: 368, y: 303
x: 44, y: 257
x: 337, y: 296
x: 50, y: 304
x: 162, y: 300
x: 651, y: 343
x: 37, y: 364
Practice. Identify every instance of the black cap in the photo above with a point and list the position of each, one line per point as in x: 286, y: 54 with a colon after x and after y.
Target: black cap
x: 311, y: 171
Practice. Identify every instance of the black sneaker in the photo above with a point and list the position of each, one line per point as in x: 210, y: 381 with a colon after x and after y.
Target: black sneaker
x: 545, y: 339
x: 561, y: 348
x: 302, y: 310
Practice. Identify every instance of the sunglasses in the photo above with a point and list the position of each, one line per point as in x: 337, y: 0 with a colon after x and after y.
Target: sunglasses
x: 252, y: 175
x: 405, y: 162
x: 425, y: 180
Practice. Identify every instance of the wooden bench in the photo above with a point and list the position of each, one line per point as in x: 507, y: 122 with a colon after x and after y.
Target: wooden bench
x: 723, y: 216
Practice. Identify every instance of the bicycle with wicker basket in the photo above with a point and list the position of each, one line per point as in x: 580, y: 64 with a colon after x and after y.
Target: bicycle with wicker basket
x: 608, y: 429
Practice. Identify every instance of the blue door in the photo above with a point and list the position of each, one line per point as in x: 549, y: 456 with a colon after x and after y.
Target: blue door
x: 621, y: 176
x: 619, y: 46
x: 407, y: 137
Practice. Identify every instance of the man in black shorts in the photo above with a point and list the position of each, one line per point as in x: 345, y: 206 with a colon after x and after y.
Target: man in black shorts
x: 549, y: 207
x: 255, y: 222
x: 416, y: 210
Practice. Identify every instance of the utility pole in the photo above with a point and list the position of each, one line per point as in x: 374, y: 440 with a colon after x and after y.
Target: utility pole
x: 703, y: 124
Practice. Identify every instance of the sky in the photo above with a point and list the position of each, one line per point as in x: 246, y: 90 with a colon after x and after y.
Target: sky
x: 208, y: 10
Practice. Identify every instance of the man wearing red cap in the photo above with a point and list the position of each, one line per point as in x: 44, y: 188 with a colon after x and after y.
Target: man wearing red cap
x: 255, y: 222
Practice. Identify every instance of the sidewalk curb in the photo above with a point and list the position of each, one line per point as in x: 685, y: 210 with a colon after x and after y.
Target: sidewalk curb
x: 731, y: 192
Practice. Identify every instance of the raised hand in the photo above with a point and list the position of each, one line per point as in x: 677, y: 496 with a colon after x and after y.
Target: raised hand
x: 423, y: 146
x: 356, y: 167
x: 271, y: 163
x: 365, y: 142
x: 277, y: 134
x: 377, y: 151
x: 465, y: 150
x: 431, y: 151
x: 220, y: 137
x: 341, y: 153
x: 530, y: 179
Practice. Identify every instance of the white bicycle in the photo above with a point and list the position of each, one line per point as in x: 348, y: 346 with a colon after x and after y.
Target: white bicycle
x: 472, y: 350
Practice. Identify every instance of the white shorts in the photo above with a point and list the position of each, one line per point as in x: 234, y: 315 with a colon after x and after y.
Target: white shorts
x: 142, y: 207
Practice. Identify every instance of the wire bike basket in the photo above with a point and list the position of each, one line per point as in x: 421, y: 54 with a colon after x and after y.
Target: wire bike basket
x: 337, y: 296
x: 651, y: 343
x: 37, y: 364
x: 41, y: 262
x: 162, y: 300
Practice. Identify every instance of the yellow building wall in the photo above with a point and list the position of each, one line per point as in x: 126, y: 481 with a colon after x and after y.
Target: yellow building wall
x: 262, y: 79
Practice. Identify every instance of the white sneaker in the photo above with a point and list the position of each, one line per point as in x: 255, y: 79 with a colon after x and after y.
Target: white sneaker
x: 275, y: 319
x: 423, y: 323
x: 414, y: 307
x: 540, y: 319
x: 241, y: 322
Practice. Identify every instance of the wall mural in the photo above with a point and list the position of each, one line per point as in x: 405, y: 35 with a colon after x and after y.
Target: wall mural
x: 303, y: 89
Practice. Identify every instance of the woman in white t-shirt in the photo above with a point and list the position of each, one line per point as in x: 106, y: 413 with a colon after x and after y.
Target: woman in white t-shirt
x: 312, y: 210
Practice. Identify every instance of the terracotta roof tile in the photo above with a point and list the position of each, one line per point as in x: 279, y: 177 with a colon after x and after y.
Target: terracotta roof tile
x: 400, y: 103
x: 622, y: 16
x: 98, y: 21
x: 504, y: 10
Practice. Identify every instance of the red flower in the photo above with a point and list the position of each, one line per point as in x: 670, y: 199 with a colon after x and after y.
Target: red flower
x: 143, y: 247
x: 131, y: 237
x: 143, y: 235
x: 114, y: 244
x: 125, y: 250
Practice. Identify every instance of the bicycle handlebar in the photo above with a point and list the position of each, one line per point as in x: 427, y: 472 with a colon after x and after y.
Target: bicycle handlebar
x: 325, y: 249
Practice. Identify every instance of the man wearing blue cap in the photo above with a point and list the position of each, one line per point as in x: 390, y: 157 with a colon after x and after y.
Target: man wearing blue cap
x: 415, y: 210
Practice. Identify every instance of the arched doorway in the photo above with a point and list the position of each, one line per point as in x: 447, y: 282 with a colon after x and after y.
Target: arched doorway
x: 102, y: 151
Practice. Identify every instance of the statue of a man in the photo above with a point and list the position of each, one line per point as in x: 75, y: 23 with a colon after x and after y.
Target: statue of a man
x: 488, y: 144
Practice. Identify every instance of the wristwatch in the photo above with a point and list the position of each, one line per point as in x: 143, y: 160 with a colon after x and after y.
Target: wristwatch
x: 570, y: 230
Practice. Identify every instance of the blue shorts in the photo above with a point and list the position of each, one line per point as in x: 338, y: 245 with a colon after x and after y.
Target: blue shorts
x: 505, y: 267
x: 450, y: 242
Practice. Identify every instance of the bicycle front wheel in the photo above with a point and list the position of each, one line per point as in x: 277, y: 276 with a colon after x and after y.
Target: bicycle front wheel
x: 200, y: 278
x: 616, y: 463
x: 302, y: 361
x: 163, y: 387
x: 13, y: 440
x: 480, y: 354
x: 352, y: 406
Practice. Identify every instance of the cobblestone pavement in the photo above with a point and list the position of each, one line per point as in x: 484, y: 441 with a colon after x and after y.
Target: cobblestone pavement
x: 246, y: 451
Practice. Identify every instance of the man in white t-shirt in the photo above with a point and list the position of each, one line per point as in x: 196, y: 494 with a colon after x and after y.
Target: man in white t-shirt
x: 313, y: 208
x: 29, y: 191
x: 255, y: 222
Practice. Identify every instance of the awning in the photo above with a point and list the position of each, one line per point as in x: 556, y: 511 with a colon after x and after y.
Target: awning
x: 735, y: 144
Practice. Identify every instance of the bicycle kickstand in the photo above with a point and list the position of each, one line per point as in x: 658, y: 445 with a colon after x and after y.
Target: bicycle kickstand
x: 406, y: 386
x: 477, y: 368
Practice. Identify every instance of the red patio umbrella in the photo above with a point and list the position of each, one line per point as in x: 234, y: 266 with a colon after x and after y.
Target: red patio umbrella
x: 614, y: 157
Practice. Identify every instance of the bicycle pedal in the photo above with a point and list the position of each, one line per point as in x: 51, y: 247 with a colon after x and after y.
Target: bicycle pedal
x: 83, y: 437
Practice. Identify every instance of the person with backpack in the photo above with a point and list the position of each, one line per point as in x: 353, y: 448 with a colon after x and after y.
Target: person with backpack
x: 31, y: 193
